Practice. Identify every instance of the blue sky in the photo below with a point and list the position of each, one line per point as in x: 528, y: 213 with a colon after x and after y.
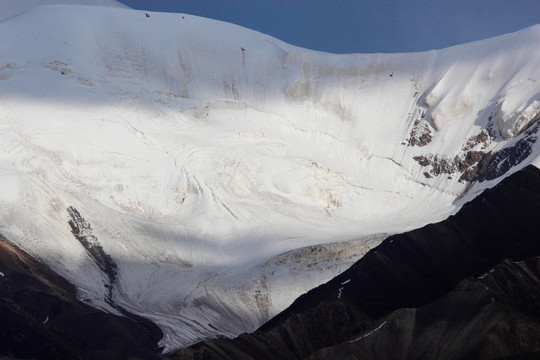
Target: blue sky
x: 346, y: 26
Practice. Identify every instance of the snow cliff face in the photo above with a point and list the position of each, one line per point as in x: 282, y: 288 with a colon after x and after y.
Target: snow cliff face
x: 189, y: 170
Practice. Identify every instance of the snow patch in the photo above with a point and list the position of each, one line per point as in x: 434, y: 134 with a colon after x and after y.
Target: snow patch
x: 369, y: 333
x: 513, y: 114
x: 340, y: 290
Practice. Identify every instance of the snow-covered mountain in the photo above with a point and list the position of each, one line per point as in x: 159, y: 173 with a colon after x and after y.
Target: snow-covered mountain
x: 204, y: 175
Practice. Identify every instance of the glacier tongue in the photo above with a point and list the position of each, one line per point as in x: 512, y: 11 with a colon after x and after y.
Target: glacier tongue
x: 224, y: 172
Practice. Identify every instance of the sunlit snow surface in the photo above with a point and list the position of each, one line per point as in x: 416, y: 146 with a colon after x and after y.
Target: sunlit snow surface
x: 209, y: 158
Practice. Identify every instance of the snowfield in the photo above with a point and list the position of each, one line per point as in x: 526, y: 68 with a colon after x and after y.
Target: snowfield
x: 219, y: 173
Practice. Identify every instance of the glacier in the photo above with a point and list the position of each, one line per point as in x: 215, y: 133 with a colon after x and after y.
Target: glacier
x: 204, y: 175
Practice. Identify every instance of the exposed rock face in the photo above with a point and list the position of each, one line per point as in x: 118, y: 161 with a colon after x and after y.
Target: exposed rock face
x: 421, y: 132
x: 479, y: 164
x: 484, y: 316
x: 500, y: 162
x: 41, y: 318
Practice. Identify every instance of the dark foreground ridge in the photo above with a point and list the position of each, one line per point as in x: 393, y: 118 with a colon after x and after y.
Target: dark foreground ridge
x: 41, y: 318
x: 451, y: 290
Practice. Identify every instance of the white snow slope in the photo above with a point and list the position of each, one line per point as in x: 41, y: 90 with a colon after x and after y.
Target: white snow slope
x: 9, y: 8
x: 210, y: 159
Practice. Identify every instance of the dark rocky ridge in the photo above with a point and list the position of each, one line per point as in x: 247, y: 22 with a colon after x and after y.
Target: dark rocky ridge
x: 481, y: 318
x: 420, y: 269
x: 40, y: 317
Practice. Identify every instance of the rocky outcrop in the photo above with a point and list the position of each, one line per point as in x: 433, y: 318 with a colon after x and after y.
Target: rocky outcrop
x: 419, y: 291
x: 41, y: 317
x: 421, y: 132
x: 82, y: 230
x: 480, y: 164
